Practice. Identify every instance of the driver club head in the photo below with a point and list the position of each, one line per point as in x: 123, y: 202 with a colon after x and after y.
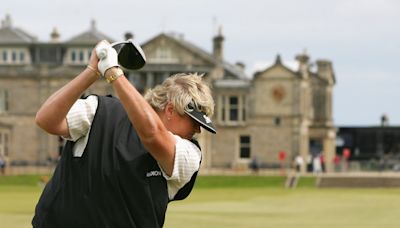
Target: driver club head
x: 130, y: 55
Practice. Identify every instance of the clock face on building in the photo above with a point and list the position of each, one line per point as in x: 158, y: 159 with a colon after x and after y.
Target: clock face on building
x: 278, y: 93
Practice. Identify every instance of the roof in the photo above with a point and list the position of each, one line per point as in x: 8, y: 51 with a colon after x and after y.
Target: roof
x: 235, y: 70
x: 232, y: 70
x: 232, y: 83
x: 278, y: 63
x: 12, y: 35
x: 91, y: 36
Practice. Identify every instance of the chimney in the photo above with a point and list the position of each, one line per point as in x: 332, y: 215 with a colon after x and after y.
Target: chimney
x: 303, y: 63
x: 55, y: 35
x: 128, y: 35
x: 325, y: 70
x: 6, y: 23
x: 384, y: 120
x: 278, y: 59
x: 241, y: 66
x: 93, y: 26
x: 218, y: 49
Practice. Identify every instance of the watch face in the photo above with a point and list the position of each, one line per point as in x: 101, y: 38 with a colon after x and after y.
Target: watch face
x: 278, y: 93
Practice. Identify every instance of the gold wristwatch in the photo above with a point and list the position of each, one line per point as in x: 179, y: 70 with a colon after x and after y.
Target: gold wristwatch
x: 114, y: 75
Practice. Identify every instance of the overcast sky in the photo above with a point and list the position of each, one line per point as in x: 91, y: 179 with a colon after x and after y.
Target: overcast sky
x: 360, y: 37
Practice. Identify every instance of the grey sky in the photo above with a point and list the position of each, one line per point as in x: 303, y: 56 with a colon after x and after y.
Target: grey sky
x: 361, y: 37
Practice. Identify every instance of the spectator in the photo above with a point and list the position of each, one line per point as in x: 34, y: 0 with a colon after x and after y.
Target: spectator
x: 336, y: 162
x: 254, y: 166
x: 2, y: 165
x: 322, y: 159
x: 317, y: 164
x: 299, y: 162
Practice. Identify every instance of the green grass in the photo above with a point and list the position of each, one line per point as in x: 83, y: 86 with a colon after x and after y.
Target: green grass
x: 22, y: 180
x: 249, y: 182
x: 243, y: 201
x: 17, y: 205
x: 300, y: 208
x: 239, y: 181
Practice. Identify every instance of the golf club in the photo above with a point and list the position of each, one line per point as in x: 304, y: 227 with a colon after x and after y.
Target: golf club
x: 130, y: 55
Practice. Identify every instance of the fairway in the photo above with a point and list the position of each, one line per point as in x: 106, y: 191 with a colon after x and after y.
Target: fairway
x: 258, y: 203
x: 17, y: 205
x: 300, y: 208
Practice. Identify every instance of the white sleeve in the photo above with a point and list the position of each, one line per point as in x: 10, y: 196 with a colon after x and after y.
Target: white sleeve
x: 80, y: 117
x: 186, y: 163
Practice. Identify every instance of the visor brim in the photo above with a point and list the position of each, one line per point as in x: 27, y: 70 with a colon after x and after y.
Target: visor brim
x: 203, y: 120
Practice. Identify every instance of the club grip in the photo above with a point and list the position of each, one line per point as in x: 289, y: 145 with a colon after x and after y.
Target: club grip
x: 101, y: 51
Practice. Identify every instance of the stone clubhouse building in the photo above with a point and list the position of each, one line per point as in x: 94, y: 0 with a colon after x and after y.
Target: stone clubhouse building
x: 276, y: 111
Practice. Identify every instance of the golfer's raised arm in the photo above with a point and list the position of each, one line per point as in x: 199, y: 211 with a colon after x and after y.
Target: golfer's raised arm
x: 157, y: 140
x: 154, y: 135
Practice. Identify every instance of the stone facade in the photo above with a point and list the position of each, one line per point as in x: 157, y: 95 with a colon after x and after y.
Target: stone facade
x: 276, y: 110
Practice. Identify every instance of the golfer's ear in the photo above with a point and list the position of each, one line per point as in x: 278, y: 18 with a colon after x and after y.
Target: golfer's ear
x: 169, y: 110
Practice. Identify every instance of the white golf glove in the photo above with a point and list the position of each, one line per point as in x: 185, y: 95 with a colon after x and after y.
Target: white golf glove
x: 108, y: 57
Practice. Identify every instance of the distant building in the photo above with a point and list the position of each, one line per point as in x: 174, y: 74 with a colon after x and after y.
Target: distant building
x: 369, y: 143
x: 277, y: 110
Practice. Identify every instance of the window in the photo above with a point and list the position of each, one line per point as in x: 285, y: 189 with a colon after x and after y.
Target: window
x: 3, y: 101
x: 73, y: 56
x: 245, y: 148
x: 277, y: 121
x: 232, y: 109
x: 81, y: 56
x: 5, y: 56
x: 78, y: 56
x: 21, y: 57
x: 163, y: 55
x: 244, y: 112
x: 14, y: 56
x: 223, y: 109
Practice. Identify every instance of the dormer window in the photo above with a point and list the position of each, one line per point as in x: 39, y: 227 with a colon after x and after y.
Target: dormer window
x: 73, y: 56
x: 13, y: 56
x: 21, y: 57
x: 5, y: 56
x: 163, y: 55
x: 81, y: 56
x: 78, y: 56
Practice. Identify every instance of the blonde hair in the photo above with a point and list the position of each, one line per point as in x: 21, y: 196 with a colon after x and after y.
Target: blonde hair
x: 180, y: 90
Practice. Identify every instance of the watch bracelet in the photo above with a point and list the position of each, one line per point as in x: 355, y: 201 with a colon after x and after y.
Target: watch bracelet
x: 111, y: 78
